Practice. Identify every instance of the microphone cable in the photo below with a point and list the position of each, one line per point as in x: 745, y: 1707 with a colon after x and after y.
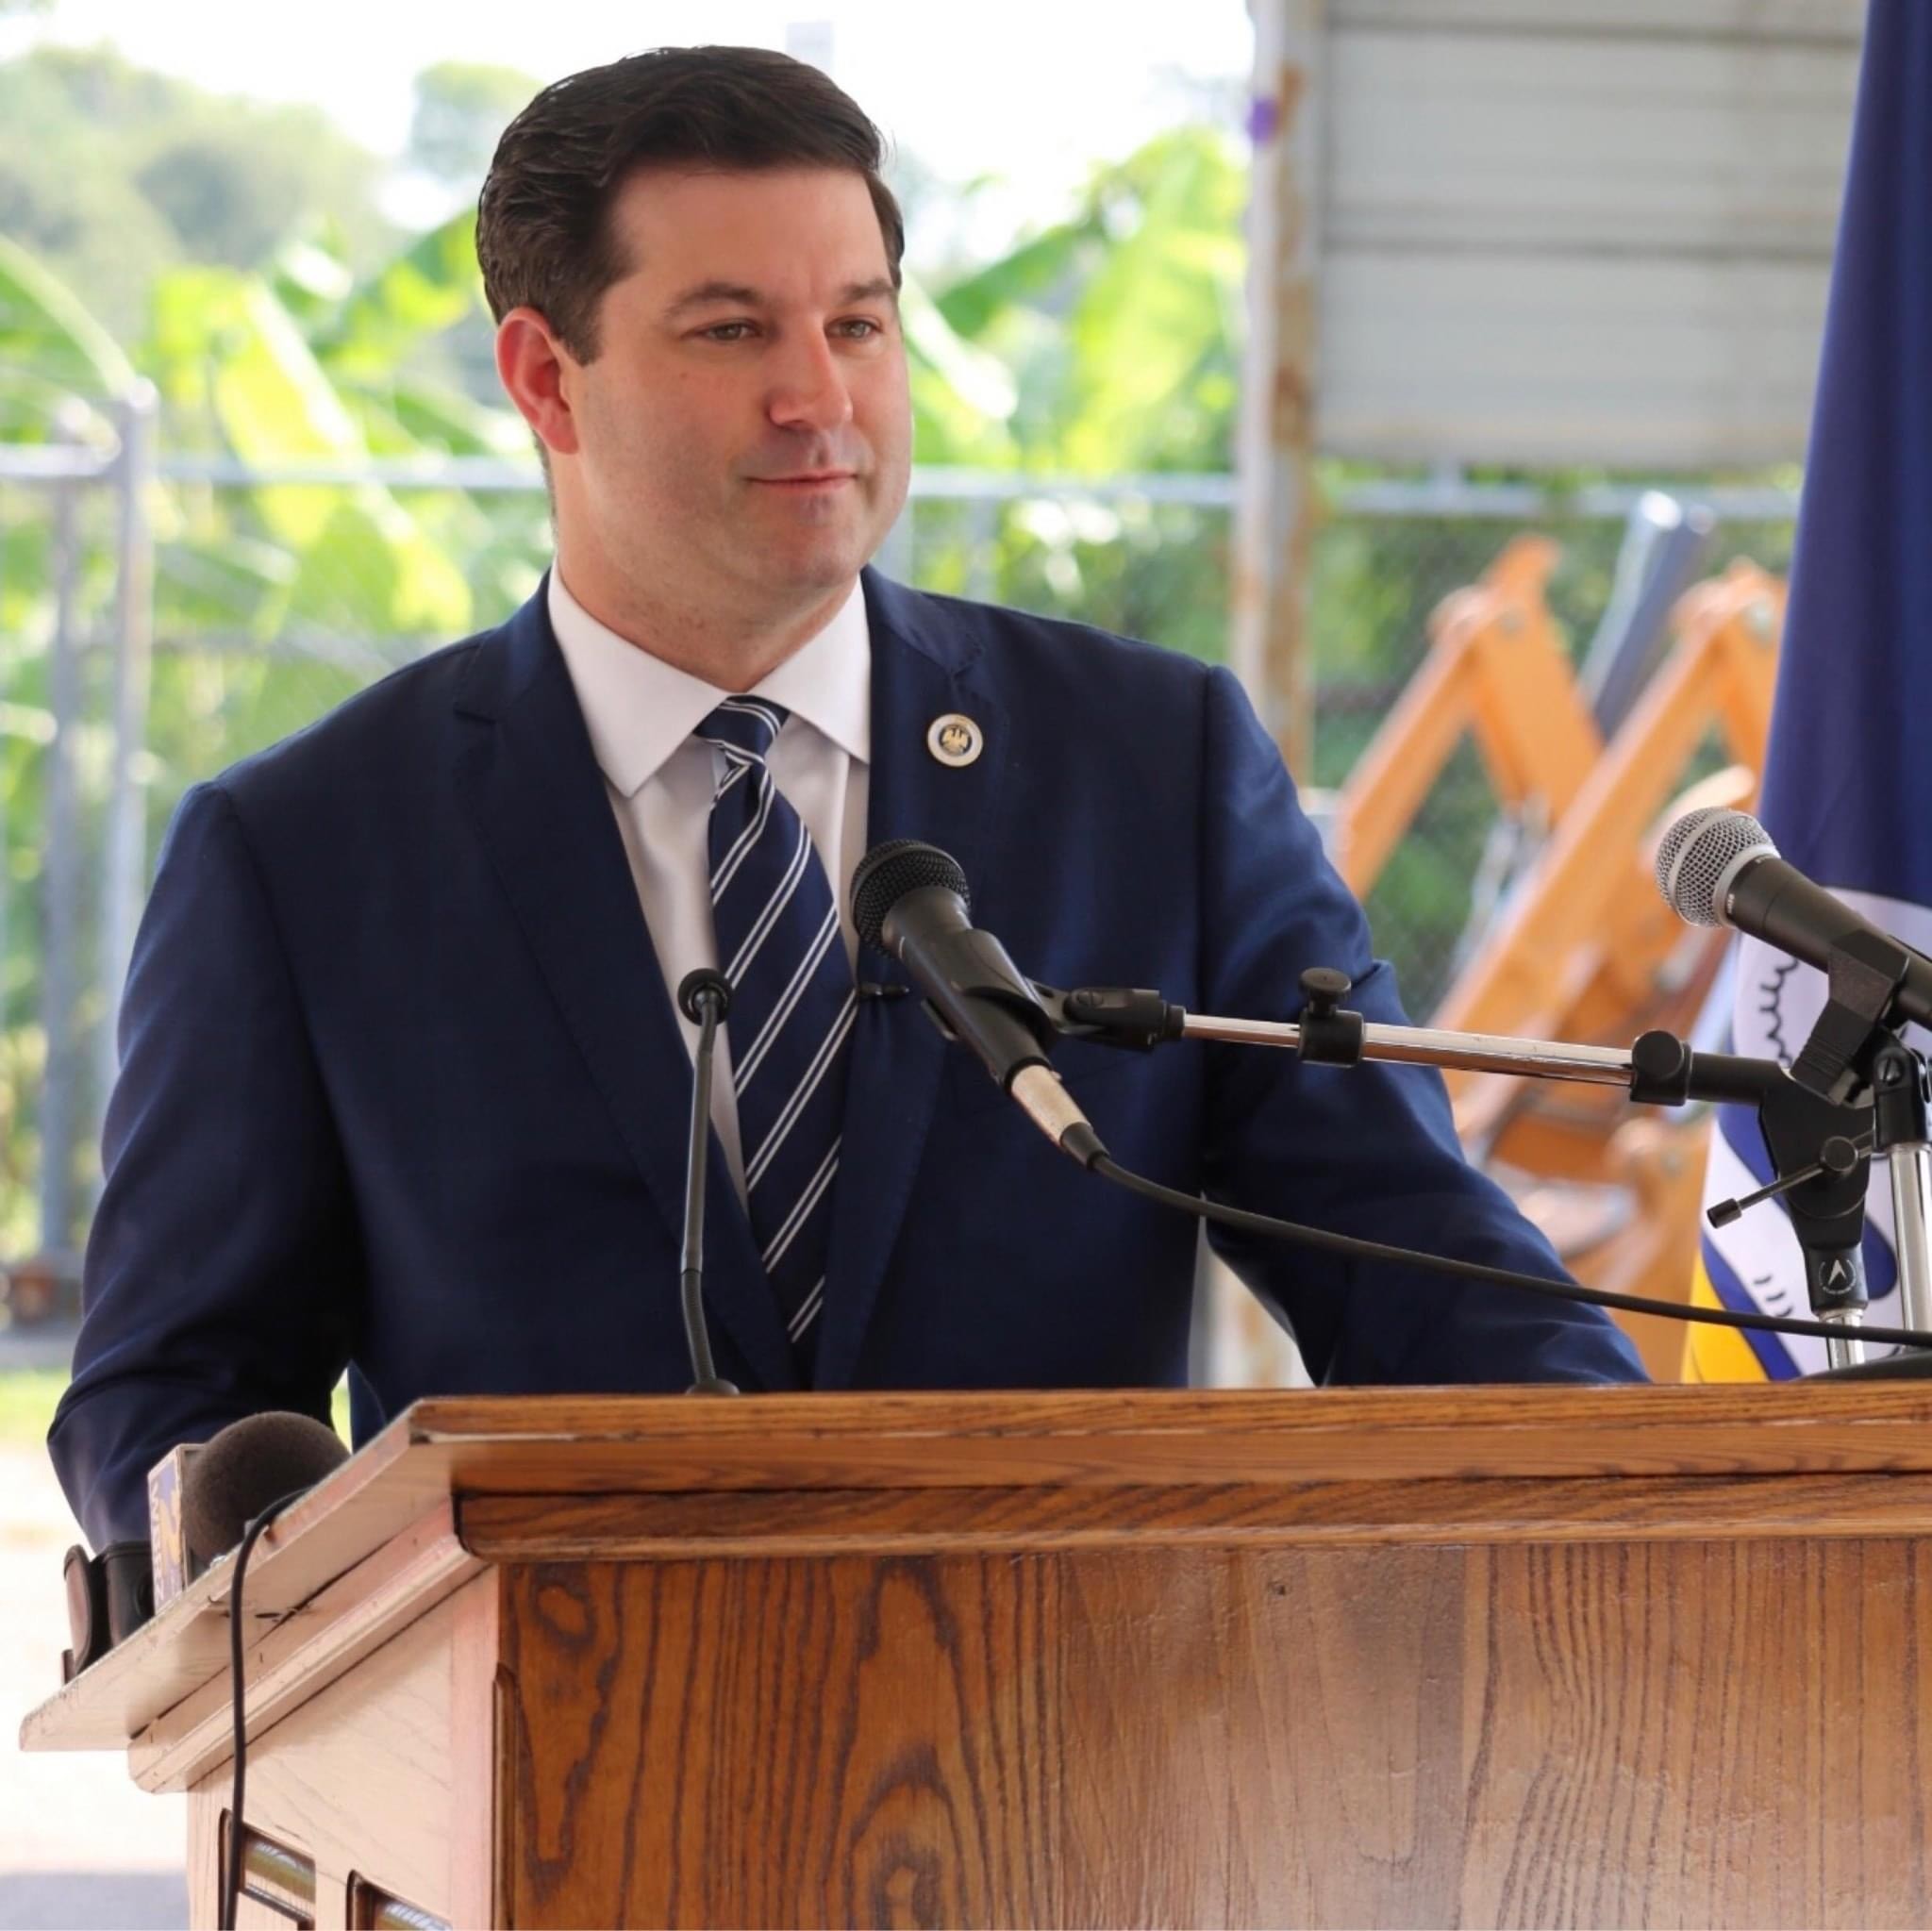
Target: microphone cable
x: 277, y: 1455
x: 1084, y: 1145
x: 231, y: 1883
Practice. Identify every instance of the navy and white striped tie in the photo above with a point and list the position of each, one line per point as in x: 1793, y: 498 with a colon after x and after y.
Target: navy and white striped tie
x: 792, y: 1003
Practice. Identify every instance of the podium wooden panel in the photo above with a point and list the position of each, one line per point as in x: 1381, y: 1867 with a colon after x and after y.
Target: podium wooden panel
x: 1418, y: 1656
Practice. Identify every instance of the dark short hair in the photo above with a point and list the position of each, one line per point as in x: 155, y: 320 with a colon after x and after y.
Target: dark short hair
x: 543, y: 233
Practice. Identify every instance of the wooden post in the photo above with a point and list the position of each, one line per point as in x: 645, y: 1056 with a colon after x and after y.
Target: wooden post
x: 1275, y: 439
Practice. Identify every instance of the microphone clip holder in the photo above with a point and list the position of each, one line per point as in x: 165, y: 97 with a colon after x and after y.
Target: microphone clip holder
x: 1130, y: 1017
x: 1864, y: 973
x: 1331, y: 1035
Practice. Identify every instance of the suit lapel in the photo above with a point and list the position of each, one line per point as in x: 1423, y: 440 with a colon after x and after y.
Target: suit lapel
x: 920, y: 671
x: 538, y: 800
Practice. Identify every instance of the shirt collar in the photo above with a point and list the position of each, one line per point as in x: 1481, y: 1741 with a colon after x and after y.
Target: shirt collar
x: 638, y: 710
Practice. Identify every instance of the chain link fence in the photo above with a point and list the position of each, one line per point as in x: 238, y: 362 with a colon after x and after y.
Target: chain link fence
x: 152, y: 632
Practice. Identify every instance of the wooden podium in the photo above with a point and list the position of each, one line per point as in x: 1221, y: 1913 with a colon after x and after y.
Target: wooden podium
x: 1410, y: 1657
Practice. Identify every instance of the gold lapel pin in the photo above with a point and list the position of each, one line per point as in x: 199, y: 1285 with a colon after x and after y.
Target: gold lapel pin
x: 955, y: 740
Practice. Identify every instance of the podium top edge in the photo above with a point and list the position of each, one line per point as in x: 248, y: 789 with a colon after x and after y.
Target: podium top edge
x: 1596, y: 1413
x: 443, y: 1452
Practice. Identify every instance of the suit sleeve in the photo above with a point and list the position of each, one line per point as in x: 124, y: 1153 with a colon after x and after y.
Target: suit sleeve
x: 1369, y: 1150
x: 222, y: 1268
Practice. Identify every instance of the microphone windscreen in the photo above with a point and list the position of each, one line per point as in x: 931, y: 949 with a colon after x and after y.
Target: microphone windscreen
x: 887, y: 872
x: 1698, y: 857
x: 248, y: 1465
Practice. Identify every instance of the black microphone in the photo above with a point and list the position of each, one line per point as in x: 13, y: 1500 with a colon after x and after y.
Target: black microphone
x: 1720, y: 868
x: 704, y: 997
x: 910, y: 901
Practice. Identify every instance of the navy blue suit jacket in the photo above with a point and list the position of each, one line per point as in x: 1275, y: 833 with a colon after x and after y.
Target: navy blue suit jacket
x: 402, y: 1088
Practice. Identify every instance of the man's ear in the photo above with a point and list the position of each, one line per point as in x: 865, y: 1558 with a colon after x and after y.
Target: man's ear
x: 532, y: 364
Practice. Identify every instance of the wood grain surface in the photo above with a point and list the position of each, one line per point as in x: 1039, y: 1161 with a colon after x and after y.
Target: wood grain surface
x: 304, y: 1653
x: 503, y: 1445
x: 1504, y: 1733
x: 510, y: 1528
x: 363, y: 1778
x: 1403, y: 1656
x: 1106, y: 1440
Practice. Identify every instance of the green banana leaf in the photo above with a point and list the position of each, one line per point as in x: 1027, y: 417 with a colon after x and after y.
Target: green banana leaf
x: 427, y: 289
x: 1152, y: 332
x: 45, y: 331
x: 1025, y: 275
x: 963, y: 397
x: 226, y: 345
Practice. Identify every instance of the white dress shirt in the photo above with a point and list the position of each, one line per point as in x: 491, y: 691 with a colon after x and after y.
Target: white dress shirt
x: 642, y: 713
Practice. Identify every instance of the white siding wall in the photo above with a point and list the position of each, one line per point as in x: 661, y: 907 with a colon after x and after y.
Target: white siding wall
x: 1579, y: 231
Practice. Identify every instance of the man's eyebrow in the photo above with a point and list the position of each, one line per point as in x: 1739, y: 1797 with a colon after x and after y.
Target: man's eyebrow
x: 704, y: 294
x: 879, y: 288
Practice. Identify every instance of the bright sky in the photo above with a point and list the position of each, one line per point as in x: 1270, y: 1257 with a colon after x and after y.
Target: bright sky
x: 1033, y: 91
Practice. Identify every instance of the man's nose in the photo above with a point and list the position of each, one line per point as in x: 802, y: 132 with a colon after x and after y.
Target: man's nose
x: 810, y: 390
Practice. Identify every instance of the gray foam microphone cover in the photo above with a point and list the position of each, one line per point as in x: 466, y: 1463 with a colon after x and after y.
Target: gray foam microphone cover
x: 248, y: 1465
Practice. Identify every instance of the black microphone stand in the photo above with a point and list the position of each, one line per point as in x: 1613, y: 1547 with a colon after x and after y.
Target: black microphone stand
x: 704, y: 997
x: 1820, y: 1138
x: 1857, y: 1049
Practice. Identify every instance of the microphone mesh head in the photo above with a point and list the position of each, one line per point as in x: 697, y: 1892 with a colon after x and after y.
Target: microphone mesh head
x: 887, y: 872
x: 1699, y: 856
x: 248, y: 1465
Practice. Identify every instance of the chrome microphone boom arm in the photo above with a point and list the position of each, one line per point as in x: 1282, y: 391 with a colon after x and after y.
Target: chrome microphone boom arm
x: 1659, y: 1070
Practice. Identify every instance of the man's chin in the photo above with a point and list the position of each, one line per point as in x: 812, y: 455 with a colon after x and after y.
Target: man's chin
x: 809, y: 568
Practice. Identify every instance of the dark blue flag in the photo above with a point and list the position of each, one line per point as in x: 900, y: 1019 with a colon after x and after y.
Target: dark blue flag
x: 1848, y: 775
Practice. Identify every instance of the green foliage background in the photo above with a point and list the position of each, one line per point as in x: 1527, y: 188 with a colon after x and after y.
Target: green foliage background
x: 236, y: 257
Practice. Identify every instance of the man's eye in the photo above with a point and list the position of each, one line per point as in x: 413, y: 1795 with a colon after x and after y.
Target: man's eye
x: 727, y: 331
x: 863, y: 326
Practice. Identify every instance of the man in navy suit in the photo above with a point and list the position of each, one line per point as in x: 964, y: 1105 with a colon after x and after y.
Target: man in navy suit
x: 403, y: 1088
